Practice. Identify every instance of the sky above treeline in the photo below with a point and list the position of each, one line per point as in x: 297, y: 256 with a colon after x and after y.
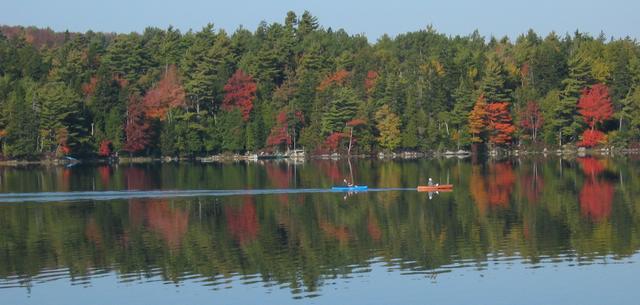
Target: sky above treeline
x: 617, y: 18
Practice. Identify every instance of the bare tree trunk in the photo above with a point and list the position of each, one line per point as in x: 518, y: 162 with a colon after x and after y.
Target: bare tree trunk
x: 620, y: 124
x: 350, y: 141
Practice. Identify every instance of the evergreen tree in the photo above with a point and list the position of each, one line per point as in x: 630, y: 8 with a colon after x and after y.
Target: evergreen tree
x: 126, y: 58
x: 565, y: 120
x: 58, y: 113
x: 232, y: 131
x: 22, y: 129
x: 342, y: 108
x: 493, y: 81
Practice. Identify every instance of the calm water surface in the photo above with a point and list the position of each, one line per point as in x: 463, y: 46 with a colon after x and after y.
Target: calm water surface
x: 531, y: 231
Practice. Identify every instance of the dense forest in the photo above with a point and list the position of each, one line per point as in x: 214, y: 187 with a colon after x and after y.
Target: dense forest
x: 167, y: 93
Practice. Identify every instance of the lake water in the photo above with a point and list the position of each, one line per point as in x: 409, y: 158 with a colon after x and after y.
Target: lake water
x: 529, y: 231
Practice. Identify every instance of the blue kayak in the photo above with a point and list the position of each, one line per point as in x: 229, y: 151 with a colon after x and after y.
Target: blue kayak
x: 350, y: 188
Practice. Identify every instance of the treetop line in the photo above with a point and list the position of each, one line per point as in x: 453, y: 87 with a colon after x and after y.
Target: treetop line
x: 169, y: 93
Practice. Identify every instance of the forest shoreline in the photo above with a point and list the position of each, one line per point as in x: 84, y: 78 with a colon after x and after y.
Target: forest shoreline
x: 566, y: 153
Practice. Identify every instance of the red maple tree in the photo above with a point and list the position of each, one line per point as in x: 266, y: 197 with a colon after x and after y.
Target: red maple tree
x: 280, y: 132
x: 332, y: 142
x: 136, y: 127
x: 240, y: 91
x: 499, y: 122
x: 595, y: 105
x: 166, y: 94
x: 591, y: 138
x: 531, y: 118
x: 105, y: 148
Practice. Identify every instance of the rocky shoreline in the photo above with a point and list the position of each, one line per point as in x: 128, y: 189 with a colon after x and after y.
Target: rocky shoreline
x: 566, y: 152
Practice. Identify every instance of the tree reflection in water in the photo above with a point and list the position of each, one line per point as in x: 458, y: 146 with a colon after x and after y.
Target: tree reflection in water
x: 497, y: 208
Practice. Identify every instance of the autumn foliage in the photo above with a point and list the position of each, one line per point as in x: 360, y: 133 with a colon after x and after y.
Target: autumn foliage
x: 356, y: 122
x: 240, y: 91
x: 499, y: 122
x: 595, y: 105
x: 531, y: 118
x: 332, y: 142
x: 370, y: 81
x: 89, y: 88
x: 337, y: 78
x: 591, y: 138
x: 137, y: 127
x: 105, y: 148
x: 477, y: 120
x: 165, y: 95
x: 280, y: 132
x: 62, y: 138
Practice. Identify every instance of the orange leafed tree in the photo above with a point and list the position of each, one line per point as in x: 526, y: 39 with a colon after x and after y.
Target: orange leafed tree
x: 338, y: 78
x: 165, y: 95
x: 500, y: 123
x: 477, y: 120
x: 370, y: 81
x: 240, y: 91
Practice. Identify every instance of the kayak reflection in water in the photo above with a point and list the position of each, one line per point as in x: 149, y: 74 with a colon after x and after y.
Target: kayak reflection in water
x: 430, y: 183
x: 432, y: 193
x: 347, y: 195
